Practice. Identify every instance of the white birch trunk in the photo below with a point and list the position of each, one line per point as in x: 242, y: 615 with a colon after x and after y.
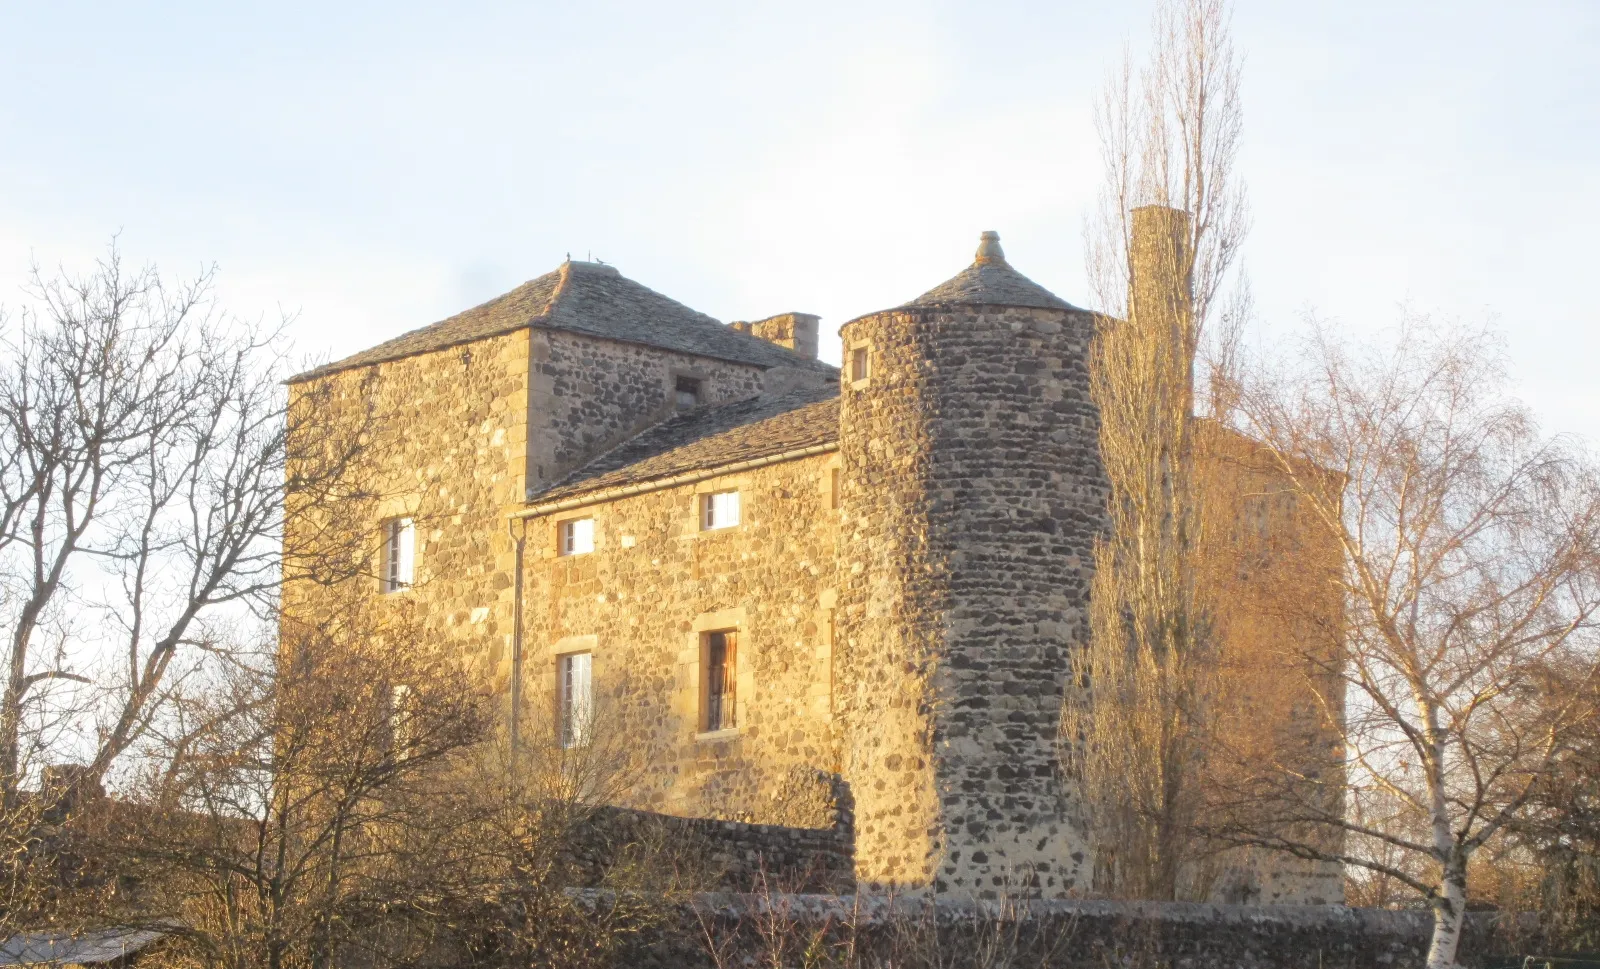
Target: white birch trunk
x: 1449, y: 918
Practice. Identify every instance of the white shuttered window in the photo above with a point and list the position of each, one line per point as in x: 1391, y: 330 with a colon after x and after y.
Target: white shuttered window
x: 577, y: 536
x: 575, y: 673
x: 399, y: 554
x: 719, y: 510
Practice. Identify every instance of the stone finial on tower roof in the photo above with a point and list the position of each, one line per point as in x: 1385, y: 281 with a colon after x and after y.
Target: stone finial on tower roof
x: 990, y: 281
x: 989, y: 251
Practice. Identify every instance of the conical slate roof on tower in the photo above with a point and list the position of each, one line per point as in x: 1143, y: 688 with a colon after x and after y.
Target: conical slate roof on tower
x: 990, y: 280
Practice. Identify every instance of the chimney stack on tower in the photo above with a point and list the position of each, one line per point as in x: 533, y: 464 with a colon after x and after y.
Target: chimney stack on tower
x: 795, y: 331
x: 1161, y: 278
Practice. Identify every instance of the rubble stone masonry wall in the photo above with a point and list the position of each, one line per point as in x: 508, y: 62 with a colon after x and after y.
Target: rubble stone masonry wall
x: 587, y: 395
x: 642, y: 602
x: 1057, y: 933
x: 973, y: 494
x: 727, y: 855
x: 451, y: 440
x: 454, y: 453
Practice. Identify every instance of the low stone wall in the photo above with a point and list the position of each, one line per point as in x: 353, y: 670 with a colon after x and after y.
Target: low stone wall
x: 1053, y: 934
x: 727, y: 855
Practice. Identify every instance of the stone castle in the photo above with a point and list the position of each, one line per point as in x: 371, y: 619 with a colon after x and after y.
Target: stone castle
x: 768, y: 573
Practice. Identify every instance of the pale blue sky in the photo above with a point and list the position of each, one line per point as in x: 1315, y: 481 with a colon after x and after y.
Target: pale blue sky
x: 377, y: 166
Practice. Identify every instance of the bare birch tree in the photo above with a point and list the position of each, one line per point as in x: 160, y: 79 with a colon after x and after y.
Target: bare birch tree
x: 1171, y: 219
x: 1469, y: 547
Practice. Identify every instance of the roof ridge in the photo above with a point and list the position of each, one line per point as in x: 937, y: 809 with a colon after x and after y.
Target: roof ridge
x: 589, y: 299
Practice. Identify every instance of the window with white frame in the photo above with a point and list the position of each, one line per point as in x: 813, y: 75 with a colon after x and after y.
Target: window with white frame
x: 399, y: 554
x: 574, y: 673
x: 577, y: 536
x: 720, y: 509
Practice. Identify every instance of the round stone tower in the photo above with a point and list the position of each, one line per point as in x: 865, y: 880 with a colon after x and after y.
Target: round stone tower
x: 973, y: 491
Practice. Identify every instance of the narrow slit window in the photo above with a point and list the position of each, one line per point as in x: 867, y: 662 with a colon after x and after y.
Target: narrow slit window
x: 576, y: 699
x: 399, y: 554
x: 721, y: 674
x: 686, y: 391
x: 577, y: 536
x: 833, y: 489
x: 719, y: 510
x: 400, y: 713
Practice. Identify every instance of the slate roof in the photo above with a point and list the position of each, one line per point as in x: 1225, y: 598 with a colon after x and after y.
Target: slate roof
x: 80, y: 949
x: 587, y: 298
x: 990, y: 280
x: 711, y: 437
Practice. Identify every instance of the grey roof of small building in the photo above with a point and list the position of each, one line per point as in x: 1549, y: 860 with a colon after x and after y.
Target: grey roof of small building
x: 75, y: 949
x: 990, y: 280
x: 587, y: 298
x: 711, y: 437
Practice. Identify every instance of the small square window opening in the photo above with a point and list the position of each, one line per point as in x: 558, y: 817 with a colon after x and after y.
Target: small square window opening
x: 575, y: 698
x: 721, y: 675
x: 399, y: 554
x: 577, y: 536
x: 858, y: 364
x: 719, y: 510
x: 687, y: 392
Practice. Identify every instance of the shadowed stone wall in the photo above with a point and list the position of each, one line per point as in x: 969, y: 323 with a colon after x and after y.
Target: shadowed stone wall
x: 1053, y: 934
x: 732, y: 855
x: 586, y: 396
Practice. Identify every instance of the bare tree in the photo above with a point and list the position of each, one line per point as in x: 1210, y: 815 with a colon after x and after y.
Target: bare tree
x: 545, y: 825
x: 1170, y: 223
x: 143, y: 477
x: 1468, y: 547
x: 1548, y: 859
x: 301, y: 811
x: 1169, y: 137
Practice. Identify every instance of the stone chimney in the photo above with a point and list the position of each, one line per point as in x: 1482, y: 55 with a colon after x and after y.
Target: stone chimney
x: 1161, y: 277
x: 796, y: 331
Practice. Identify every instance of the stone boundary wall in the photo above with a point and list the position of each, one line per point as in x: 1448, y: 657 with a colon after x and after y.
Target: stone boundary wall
x: 1052, y: 933
x: 727, y: 855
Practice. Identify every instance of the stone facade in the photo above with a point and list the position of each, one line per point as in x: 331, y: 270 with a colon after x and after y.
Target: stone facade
x: 1272, y: 554
x: 586, y: 396
x: 905, y: 577
x: 452, y: 457
x: 640, y: 604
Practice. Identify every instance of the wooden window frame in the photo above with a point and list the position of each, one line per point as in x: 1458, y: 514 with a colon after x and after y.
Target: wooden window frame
x: 858, y: 365
x: 719, y: 681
